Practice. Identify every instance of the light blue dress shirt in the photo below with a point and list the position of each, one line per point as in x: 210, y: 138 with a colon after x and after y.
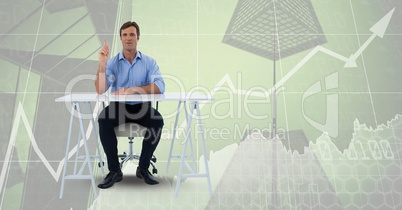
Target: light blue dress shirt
x: 121, y: 73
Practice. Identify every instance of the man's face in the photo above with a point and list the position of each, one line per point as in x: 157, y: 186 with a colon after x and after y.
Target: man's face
x: 129, y: 38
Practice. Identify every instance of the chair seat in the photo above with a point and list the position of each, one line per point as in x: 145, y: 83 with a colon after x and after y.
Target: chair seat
x: 130, y: 130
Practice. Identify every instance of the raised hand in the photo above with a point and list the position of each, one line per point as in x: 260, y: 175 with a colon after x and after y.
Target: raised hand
x: 104, y: 53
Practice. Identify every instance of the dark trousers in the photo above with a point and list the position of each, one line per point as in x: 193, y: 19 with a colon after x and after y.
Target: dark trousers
x: 118, y: 113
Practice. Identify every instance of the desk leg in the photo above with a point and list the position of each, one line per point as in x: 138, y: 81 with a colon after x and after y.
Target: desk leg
x: 183, y: 154
x: 173, y: 137
x: 67, y: 149
x: 188, y: 140
x: 96, y: 137
x: 200, y: 129
x: 192, y: 155
x: 77, y: 153
x: 87, y: 155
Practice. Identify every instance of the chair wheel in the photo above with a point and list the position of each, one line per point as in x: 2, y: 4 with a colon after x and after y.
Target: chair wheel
x: 100, y: 164
x: 154, y: 171
x: 153, y: 159
x: 122, y: 158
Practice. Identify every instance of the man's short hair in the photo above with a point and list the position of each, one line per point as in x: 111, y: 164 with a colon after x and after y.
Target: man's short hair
x: 129, y: 24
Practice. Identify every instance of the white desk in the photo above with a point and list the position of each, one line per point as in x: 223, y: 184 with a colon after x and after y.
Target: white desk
x: 182, y: 98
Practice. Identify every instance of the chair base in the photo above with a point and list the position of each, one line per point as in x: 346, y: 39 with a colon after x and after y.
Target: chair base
x: 130, y: 155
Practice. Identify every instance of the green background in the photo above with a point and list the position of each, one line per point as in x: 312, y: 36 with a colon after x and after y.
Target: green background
x: 185, y: 38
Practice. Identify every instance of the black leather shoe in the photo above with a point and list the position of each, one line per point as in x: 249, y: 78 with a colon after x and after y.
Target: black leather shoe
x: 146, y: 176
x: 111, y: 178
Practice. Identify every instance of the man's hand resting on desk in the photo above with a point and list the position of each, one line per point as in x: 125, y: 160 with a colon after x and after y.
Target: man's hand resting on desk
x: 129, y: 91
x: 147, y: 89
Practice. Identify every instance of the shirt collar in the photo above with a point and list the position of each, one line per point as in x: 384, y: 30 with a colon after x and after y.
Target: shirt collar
x: 138, y: 55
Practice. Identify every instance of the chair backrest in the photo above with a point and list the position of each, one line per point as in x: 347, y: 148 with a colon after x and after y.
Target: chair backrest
x: 130, y: 130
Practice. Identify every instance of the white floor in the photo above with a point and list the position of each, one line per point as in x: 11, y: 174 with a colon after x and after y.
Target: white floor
x: 134, y: 193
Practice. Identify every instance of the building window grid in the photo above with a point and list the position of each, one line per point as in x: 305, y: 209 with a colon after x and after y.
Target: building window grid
x: 258, y: 34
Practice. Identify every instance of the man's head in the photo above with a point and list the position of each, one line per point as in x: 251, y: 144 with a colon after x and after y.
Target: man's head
x: 130, y: 24
x: 129, y: 36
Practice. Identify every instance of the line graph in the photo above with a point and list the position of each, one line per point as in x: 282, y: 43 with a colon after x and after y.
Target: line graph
x: 367, y: 161
x: 378, y: 30
x: 21, y: 115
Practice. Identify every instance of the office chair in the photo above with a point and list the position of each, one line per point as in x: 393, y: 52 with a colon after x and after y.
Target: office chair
x: 132, y: 130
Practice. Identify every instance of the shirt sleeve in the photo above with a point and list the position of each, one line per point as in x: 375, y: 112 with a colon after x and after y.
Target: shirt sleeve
x: 110, y: 76
x: 155, y: 76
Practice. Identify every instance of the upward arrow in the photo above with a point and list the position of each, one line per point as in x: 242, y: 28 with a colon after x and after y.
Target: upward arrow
x: 378, y: 30
x: 381, y: 26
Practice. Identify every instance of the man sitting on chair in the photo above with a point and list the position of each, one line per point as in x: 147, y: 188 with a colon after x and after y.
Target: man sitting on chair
x: 129, y: 72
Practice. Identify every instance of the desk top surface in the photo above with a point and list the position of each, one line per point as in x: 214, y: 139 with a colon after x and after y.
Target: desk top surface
x: 178, y: 96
